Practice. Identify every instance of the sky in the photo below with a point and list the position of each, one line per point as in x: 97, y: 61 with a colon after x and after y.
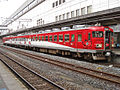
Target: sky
x: 8, y: 7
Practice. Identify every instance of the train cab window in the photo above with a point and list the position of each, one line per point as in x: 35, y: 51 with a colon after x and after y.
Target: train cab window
x: 55, y: 38
x: 42, y: 38
x: 50, y: 37
x: 89, y: 36
x: 67, y: 38
x: 60, y: 38
x: 46, y: 38
x: 79, y: 37
x: 98, y: 34
x: 72, y: 38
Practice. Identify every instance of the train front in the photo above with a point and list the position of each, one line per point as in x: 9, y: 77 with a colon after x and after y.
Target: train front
x: 103, y: 44
x: 108, y: 42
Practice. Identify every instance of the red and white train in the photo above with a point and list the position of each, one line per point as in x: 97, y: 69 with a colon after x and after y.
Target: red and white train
x: 92, y: 43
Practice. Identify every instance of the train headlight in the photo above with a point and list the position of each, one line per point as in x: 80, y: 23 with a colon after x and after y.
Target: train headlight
x: 98, y: 45
x: 113, y: 45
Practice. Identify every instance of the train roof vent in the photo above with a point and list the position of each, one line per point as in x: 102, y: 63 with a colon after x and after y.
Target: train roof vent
x: 55, y: 29
x: 48, y: 31
x: 42, y: 31
x: 79, y: 26
x: 65, y: 28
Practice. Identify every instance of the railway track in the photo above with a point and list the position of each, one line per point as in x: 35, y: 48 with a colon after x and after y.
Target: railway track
x: 33, y: 80
x: 109, y: 64
x: 90, y: 72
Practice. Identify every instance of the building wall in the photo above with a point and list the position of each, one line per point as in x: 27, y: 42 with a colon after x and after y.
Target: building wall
x: 46, y: 13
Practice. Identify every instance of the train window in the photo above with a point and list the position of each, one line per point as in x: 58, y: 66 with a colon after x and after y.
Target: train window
x: 97, y: 34
x: 42, y: 38
x: 79, y: 37
x: 60, y: 38
x: 83, y: 11
x: 56, y: 3
x: 50, y: 37
x: 89, y: 36
x: 67, y: 38
x: 60, y: 2
x: 72, y: 38
x: 31, y: 39
x: 63, y: 1
x: 39, y: 38
x: 55, y: 38
x: 36, y: 38
x: 46, y: 38
x: 112, y: 33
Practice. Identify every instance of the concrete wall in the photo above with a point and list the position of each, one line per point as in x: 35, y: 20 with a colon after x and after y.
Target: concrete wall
x: 45, y: 13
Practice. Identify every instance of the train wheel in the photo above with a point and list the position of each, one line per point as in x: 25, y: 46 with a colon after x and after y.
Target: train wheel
x: 74, y: 55
x: 88, y: 57
x: 109, y: 59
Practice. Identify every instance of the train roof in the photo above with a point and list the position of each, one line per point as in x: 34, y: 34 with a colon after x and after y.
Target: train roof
x: 66, y: 30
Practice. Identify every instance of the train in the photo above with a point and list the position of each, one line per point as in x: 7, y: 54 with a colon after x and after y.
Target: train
x: 91, y: 43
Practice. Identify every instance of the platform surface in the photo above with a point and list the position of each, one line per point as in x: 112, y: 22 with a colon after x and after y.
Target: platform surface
x: 8, y: 81
x: 117, y: 51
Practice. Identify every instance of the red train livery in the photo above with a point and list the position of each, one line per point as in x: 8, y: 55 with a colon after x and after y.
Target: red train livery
x: 93, y: 43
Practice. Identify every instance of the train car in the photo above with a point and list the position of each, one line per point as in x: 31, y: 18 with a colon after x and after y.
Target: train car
x: 92, y: 43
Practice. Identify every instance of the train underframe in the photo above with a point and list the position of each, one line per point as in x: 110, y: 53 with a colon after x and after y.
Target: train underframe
x: 87, y: 56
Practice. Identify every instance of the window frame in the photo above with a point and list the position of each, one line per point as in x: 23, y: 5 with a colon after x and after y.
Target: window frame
x: 60, y: 40
x: 39, y: 38
x: 79, y: 40
x: 36, y: 38
x: 77, y: 12
x: 89, y: 36
x: 46, y: 39
x: 56, y: 3
x: 68, y: 15
x: 55, y: 38
x: 72, y: 14
x: 42, y: 38
x: 50, y: 38
x: 72, y: 40
x: 66, y: 39
x: 97, y: 35
x: 89, y: 9
x: 60, y: 2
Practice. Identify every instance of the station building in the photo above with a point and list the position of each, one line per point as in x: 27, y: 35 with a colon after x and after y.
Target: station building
x: 38, y: 12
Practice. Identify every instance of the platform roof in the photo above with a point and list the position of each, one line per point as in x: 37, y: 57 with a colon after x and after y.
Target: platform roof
x: 105, y: 17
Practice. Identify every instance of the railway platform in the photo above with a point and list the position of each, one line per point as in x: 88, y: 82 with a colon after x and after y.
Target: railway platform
x: 8, y: 81
x: 117, y: 51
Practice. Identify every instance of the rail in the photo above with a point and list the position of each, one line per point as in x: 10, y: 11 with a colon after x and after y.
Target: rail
x: 32, y: 86
x: 94, y: 73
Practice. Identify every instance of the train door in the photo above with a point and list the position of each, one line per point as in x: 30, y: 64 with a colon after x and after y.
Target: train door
x: 85, y: 41
x: 73, y: 40
x: 79, y: 40
x: 67, y: 39
x: 108, y: 40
